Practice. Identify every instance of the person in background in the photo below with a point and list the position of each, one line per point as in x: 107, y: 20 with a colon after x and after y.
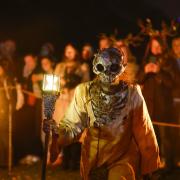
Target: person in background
x: 156, y: 83
x: 174, y: 70
x: 72, y: 73
x: 47, y: 66
x: 11, y: 99
x: 30, y: 117
x: 48, y: 50
x: 31, y: 68
x: 87, y: 54
x: 105, y: 42
x: 128, y: 57
x: 8, y: 57
x: 8, y: 49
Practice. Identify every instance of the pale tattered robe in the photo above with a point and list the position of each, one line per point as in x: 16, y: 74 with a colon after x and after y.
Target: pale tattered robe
x: 127, y: 146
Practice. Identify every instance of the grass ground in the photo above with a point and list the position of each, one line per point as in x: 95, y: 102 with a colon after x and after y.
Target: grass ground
x: 33, y: 172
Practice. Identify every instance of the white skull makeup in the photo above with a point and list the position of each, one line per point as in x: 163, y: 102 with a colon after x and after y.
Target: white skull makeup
x: 108, y: 64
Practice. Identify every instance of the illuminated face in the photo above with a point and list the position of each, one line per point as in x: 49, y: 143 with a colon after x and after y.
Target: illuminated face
x: 86, y: 52
x: 122, y: 47
x: 176, y: 47
x: 46, y: 65
x: 156, y: 48
x: 70, y: 52
x: 104, y: 43
x: 108, y: 65
x: 30, y: 61
x: 119, y: 44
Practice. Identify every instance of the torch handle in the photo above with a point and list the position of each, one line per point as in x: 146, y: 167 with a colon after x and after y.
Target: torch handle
x: 49, y: 105
x: 44, y: 163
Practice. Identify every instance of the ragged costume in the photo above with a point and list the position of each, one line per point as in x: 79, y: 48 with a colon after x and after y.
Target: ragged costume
x: 110, y: 115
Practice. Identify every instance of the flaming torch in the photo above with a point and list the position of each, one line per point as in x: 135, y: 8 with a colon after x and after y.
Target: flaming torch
x: 51, y: 91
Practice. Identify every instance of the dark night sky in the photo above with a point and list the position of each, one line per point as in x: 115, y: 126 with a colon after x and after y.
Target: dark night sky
x: 33, y: 22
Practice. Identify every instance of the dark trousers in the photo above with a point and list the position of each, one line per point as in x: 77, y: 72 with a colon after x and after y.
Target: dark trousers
x: 71, y: 156
x: 27, y: 131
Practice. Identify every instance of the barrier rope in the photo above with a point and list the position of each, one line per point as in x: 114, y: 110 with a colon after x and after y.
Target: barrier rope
x: 24, y: 91
x: 154, y: 122
x: 166, y: 124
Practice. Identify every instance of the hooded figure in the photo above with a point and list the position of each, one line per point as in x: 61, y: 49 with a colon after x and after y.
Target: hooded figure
x: 118, y: 137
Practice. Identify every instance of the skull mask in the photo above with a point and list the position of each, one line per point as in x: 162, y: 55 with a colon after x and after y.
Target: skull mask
x: 108, y: 64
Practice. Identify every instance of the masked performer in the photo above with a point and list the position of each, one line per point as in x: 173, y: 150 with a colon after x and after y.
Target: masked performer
x: 118, y: 137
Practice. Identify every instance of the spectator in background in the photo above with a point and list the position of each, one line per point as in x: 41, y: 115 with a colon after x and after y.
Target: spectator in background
x: 31, y: 68
x: 47, y: 66
x: 4, y: 111
x: 10, y: 58
x: 8, y: 49
x: 11, y: 99
x: 105, y: 42
x: 128, y: 57
x: 47, y: 50
x: 72, y: 73
x: 87, y: 54
x: 30, y: 117
x: 175, y: 65
x: 156, y: 85
x: 174, y: 70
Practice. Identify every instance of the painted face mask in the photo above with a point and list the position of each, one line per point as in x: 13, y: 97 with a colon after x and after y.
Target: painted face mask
x: 108, y: 64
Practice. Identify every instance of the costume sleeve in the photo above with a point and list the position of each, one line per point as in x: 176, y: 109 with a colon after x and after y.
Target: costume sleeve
x: 144, y: 134
x: 75, y: 119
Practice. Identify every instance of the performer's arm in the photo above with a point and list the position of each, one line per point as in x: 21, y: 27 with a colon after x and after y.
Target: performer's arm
x: 72, y: 125
x: 75, y: 119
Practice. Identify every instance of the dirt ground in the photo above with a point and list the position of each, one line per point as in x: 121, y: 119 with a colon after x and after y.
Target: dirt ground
x: 33, y: 172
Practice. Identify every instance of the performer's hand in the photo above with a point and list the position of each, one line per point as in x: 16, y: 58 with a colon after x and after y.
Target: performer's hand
x: 50, y: 125
x: 46, y: 126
